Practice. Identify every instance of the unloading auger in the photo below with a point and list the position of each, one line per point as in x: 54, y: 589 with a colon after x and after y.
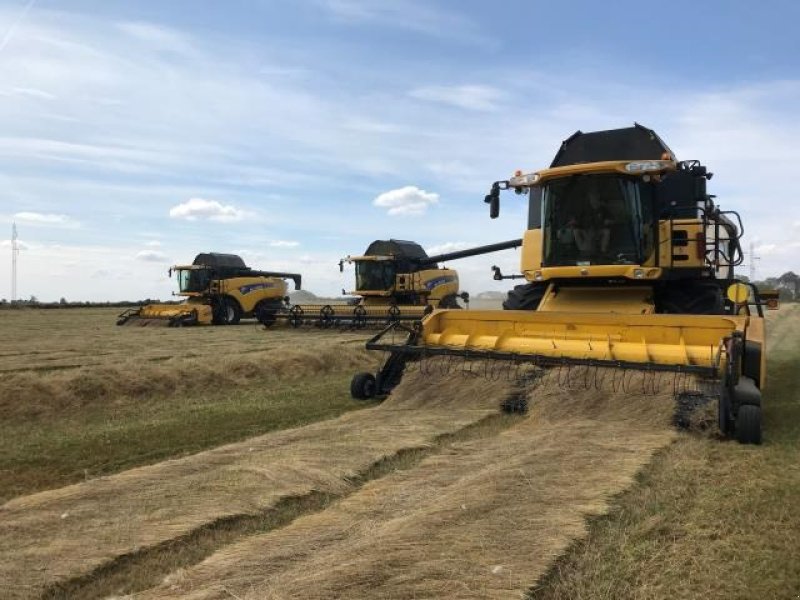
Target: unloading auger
x: 630, y: 269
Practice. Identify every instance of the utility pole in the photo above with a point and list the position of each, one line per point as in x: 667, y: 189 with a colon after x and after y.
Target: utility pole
x: 14, y: 254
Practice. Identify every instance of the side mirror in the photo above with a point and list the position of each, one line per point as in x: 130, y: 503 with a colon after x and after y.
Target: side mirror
x: 169, y: 273
x: 498, y: 274
x: 341, y: 265
x: 493, y: 200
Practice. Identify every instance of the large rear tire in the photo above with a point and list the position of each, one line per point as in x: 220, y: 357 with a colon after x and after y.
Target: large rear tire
x: 525, y: 297
x: 748, y: 424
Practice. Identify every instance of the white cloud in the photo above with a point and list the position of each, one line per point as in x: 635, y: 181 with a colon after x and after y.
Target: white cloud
x: 153, y: 244
x: 446, y: 247
x: 208, y: 210
x: 157, y: 36
x: 32, y: 93
x: 152, y: 256
x: 44, y: 219
x: 20, y: 244
x: 469, y: 97
x: 419, y: 17
x: 284, y: 244
x: 408, y: 200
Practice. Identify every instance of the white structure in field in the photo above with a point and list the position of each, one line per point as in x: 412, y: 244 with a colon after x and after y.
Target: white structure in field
x: 14, y: 254
x: 753, y: 259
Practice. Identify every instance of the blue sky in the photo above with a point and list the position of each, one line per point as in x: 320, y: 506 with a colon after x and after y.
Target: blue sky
x: 134, y: 135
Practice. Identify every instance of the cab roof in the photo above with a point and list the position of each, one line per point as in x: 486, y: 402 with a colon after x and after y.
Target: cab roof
x: 629, y: 143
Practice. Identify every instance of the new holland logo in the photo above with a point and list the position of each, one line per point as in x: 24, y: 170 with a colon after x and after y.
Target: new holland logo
x: 246, y: 289
x: 439, y: 281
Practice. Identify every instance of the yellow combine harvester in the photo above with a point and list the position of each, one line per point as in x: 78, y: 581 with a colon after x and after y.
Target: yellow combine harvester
x: 629, y: 266
x: 396, y: 280
x: 219, y: 289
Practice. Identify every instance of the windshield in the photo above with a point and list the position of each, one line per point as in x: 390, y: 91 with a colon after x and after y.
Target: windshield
x: 597, y: 219
x: 193, y: 280
x: 374, y: 275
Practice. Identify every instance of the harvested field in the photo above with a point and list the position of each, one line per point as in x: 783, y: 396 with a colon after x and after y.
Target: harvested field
x: 134, y: 396
x: 432, y: 494
x: 44, y: 536
x: 482, y: 519
x: 707, y: 518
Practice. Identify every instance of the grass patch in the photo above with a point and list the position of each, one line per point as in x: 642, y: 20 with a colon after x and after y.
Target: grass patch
x: 75, y: 445
x: 707, y: 519
x: 136, y: 572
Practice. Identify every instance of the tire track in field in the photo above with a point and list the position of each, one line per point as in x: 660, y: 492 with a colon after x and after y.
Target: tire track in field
x: 59, y: 535
x: 481, y: 520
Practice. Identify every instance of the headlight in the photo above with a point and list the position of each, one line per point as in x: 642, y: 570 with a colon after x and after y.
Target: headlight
x: 523, y: 180
x: 647, y: 165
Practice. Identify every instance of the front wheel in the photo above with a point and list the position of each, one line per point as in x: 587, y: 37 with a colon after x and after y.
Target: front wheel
x: 362, y: 386
x: 227, y: 312
x: 525, y: 297
x: 267, y: 312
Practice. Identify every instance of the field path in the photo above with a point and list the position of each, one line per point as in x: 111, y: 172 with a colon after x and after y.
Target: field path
x: 483, y: 519
x: 53, y: 536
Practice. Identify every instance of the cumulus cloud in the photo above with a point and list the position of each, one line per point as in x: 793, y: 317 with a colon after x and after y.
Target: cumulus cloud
x: 469, y: 97
x: 46, y: 219
x: 408, y: 200
x: 284, y: 244
x: 151, y: 256
x: 196, y: 209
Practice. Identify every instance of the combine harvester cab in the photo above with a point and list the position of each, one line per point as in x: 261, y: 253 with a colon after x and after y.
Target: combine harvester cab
x: 396, y: 281
x: 219, y: 290
x: 629, y: 267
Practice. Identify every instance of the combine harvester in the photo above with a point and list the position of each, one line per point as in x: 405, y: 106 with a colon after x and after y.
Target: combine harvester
x: 629, y: 267
x: 219, y: 289
x: 396, y: 281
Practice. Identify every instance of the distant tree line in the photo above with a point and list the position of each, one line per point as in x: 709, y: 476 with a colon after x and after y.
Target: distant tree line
x: 33, y: 302
x: 788, y: 286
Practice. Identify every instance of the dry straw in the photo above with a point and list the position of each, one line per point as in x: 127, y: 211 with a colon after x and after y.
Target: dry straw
x: 60, y: 534
x: 482, y: 519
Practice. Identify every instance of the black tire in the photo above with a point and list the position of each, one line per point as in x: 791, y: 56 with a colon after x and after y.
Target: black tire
x: 525, y: 297
x: 363, y: 386
x: 748, y: 424
x: 227, y: 312
x: 267, y: 311
x: 450, y: 301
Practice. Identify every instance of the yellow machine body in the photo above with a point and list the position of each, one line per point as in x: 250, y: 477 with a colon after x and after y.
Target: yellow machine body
x: 670, y: 340
x: 396, y: 280
x: 628, y: 265
x: 219, y: 289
